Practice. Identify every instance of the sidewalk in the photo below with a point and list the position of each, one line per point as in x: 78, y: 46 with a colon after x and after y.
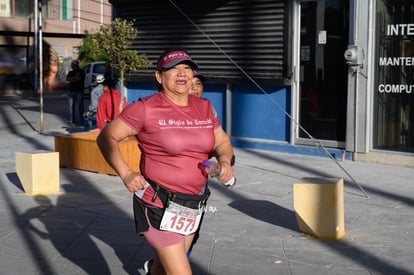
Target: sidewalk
x: 88, y: 228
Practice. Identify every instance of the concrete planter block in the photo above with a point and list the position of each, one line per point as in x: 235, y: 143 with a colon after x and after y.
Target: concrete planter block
x: 319, y: 207
x: 38, y: 172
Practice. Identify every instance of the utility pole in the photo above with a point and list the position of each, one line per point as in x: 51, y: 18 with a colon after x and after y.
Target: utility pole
x: 38, y: 54
x: 35, y: 47
x: 42, y: 126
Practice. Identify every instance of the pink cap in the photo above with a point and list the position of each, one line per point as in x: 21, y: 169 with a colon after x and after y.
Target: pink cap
x: 170, y: 59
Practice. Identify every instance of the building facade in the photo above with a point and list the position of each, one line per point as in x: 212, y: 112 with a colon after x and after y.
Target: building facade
x: 63, y: 25
x: 295, y: 75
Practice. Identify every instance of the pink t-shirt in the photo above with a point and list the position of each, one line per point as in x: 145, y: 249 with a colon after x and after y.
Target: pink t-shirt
x: 173, y: 140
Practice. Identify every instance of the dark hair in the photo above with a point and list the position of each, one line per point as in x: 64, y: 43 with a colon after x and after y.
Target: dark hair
x: 109, y: 82
x: 158, y: 86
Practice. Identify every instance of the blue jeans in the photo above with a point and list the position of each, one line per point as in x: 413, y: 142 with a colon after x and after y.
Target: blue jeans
x: 89, y: 121
x: 75, y: 98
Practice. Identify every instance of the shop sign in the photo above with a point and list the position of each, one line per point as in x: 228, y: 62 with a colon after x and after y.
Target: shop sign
x: 401, y: 36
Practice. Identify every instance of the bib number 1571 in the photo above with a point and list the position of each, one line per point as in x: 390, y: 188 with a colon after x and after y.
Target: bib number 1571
x: 180, y: 219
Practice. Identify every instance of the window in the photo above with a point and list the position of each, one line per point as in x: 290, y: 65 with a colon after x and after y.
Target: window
x: 63, y: 9
x: 4, y: 8
x: 394, y: 92
x: 51, y: 9
x: 23, y: 8
x: 57, y: 9
x: 47, y: 9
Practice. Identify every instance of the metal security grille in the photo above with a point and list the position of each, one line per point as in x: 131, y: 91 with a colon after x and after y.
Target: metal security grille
x: 251, y: 33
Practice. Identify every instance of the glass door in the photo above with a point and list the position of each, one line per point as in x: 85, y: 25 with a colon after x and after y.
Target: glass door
x: 323, y: 71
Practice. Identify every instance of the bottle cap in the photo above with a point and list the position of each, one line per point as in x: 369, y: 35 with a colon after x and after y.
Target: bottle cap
x: 206, y: 163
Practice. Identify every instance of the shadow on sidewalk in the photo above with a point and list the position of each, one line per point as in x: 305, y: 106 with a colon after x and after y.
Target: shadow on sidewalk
x: 265, y: 211
x: 81, y: 225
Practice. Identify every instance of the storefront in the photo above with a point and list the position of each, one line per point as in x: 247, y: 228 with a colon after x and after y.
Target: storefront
x: 354, y: 63
x: 380, y: 115
x: 289, y: 75
x: 393, y: 125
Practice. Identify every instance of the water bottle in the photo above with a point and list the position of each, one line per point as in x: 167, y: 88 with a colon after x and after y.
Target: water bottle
x: 213, y: 170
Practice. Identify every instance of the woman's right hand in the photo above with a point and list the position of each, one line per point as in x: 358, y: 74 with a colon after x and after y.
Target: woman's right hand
x: 134, y: 181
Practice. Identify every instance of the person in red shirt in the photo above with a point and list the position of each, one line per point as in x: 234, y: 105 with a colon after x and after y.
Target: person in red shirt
x: 108, y: 104
x: 175, y: 132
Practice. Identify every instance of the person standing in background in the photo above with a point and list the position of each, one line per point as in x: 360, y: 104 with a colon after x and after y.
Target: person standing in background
x: 198, y: 84
x: 108, y: 104
x: 89, y: 117
x: 76, y: 78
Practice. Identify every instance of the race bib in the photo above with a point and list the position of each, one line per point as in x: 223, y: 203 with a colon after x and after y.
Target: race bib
x: 180, y: 219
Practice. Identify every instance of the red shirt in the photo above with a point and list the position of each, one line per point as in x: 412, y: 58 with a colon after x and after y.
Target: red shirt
x: 108, y: 107
x: 173, y: 140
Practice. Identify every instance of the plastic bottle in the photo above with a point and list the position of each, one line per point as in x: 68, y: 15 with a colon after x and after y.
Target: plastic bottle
x: 213, y: 170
